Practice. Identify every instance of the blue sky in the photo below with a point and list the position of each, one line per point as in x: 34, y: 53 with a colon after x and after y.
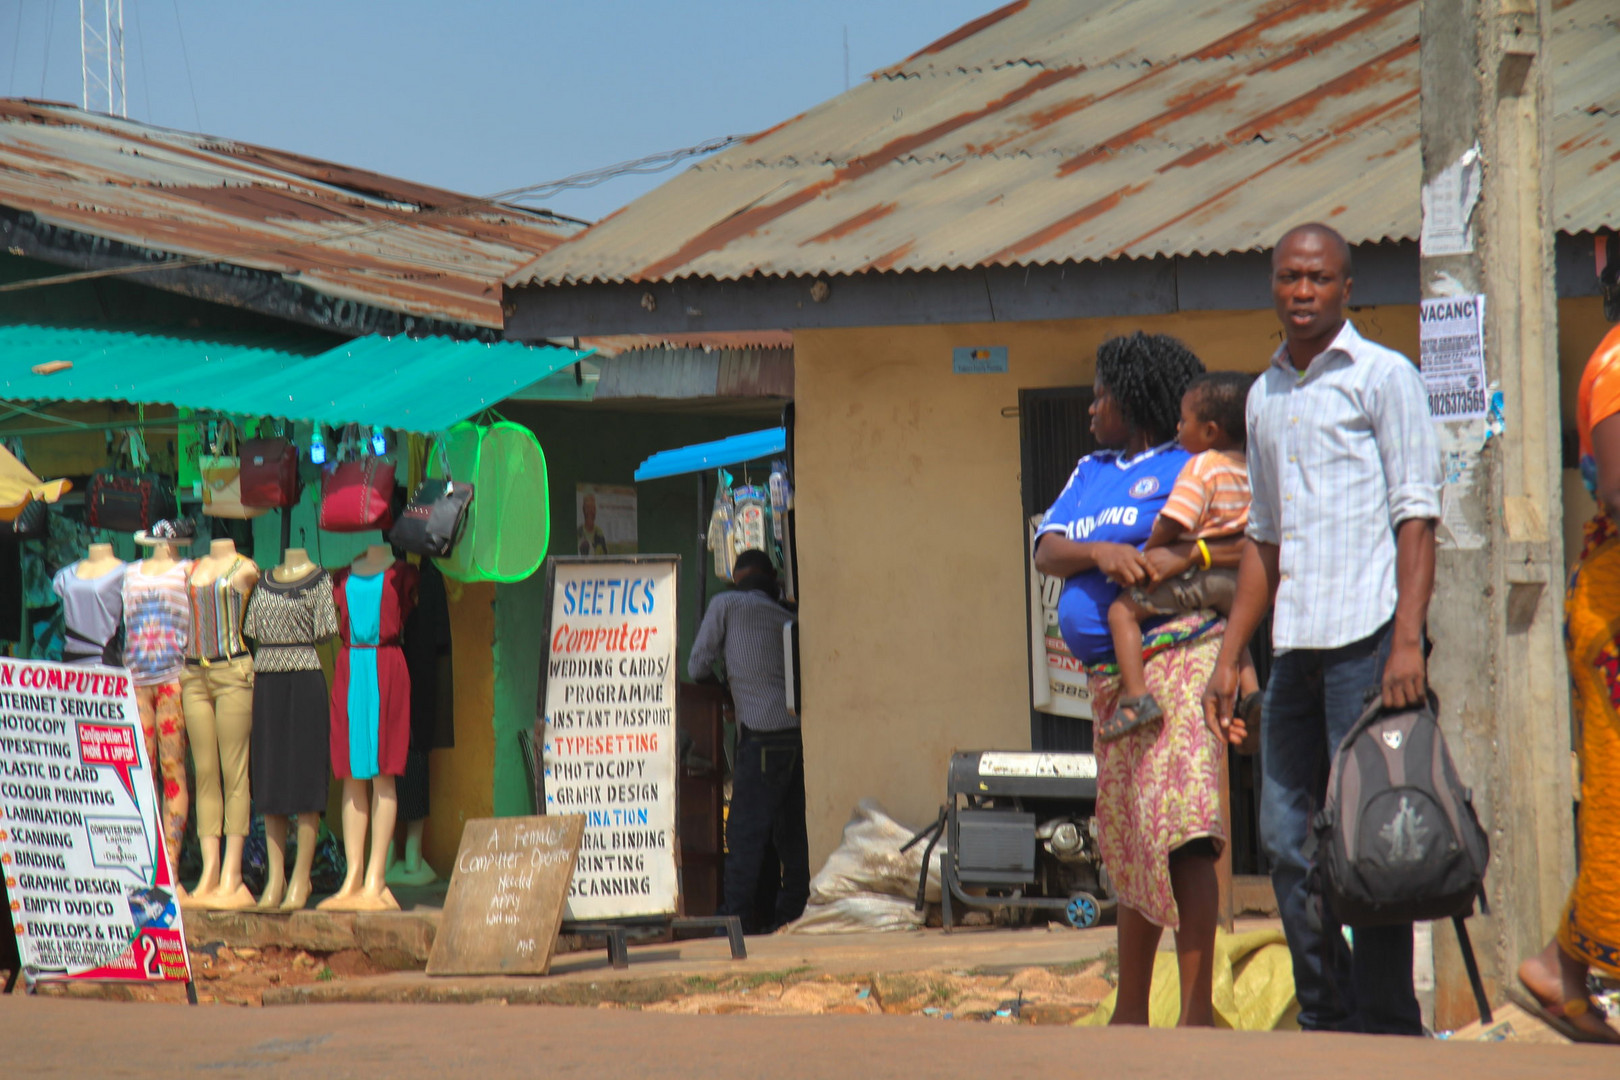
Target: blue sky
x: 477, y: 95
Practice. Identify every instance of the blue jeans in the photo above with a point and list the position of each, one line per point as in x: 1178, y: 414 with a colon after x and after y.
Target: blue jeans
x: 1312, y: 699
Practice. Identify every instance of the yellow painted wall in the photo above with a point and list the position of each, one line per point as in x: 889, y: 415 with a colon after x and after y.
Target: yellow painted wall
x: 911, y: 554
x: 461, y: 779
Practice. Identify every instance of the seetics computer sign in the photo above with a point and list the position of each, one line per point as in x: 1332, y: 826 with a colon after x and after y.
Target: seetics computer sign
x: 87, y: 876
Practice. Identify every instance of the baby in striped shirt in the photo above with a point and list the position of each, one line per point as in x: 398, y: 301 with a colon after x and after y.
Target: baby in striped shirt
x: 1210, y: 501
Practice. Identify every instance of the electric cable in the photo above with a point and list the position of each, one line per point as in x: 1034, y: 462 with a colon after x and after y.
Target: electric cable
x: 650, y: 164
x: 50, y: 28
x: 16, y: 42
x: 140, y: 46
x: 186, y: 56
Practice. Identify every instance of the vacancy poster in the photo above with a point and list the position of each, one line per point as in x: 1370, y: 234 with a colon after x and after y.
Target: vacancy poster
x: 80, y: 847
x: 608, y: 743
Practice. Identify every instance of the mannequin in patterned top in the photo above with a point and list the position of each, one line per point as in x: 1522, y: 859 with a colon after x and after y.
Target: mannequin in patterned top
x: 216, y: 690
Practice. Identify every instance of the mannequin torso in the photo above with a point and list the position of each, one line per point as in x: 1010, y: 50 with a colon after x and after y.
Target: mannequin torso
x: 375, y: 559
x: 221, y: 560
x: 295, y: 566
x: 160, y: 562
x: 98, y: 561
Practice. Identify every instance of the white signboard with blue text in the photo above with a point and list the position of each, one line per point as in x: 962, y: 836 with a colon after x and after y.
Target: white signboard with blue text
x: 608, y: 747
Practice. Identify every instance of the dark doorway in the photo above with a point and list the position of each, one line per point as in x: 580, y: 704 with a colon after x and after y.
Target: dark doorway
x: 1055, y: 433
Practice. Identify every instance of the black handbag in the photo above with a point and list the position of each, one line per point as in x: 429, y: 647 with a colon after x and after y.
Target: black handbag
x: 33, y: 523
x: 434, y: 518
x: 123, y: 500
x: 129, y: 500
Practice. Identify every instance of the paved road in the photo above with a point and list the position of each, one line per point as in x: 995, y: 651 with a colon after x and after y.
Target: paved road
x: 58, y: 1038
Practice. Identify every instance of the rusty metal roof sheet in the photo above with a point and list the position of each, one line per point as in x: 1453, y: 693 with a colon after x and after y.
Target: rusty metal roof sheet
x: 384, y: 241
x: 1068, y: 130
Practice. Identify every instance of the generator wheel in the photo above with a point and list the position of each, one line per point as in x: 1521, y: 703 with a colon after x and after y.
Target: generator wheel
x: 1083, y: 911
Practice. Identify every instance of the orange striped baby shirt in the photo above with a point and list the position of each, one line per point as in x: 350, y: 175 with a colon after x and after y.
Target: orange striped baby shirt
x: 1211, y: 496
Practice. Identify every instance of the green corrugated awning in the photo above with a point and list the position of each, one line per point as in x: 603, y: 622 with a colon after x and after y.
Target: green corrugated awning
x: 409, y: 384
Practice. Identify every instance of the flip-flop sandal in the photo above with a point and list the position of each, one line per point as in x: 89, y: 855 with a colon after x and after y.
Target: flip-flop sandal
x: 1144, y: 710
x: 1526, y: 999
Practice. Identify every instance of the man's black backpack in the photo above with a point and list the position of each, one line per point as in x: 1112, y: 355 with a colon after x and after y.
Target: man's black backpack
x: 1397, y: 840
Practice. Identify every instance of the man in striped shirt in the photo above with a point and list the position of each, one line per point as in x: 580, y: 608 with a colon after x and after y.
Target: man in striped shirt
x: 1345, y: 478
x: 743, y: 627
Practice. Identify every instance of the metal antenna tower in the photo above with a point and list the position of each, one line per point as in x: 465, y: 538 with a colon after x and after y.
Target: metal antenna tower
x: 101, y: 53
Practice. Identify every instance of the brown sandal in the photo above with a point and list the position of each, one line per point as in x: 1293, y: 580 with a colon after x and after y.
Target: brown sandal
x: 1563, y: 1019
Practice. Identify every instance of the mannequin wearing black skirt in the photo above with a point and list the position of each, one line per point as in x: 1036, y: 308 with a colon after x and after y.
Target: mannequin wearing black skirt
x: 290, y: 612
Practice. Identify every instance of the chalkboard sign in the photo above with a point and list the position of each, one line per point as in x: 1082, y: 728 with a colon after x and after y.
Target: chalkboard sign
x: 607, y: 710
x: 506, y: 896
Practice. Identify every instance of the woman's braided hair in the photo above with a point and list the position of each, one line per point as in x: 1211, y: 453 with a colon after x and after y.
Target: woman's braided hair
x: 1147, y: 374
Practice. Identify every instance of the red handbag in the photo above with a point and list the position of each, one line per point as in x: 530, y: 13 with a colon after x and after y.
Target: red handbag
x: 356, y: 496
x: 269, y: 475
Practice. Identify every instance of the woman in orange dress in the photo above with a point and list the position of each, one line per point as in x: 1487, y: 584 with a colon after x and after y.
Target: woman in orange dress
x: 1588, y: 935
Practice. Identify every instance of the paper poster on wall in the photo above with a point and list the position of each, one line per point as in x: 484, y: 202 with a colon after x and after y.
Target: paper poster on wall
x: 605, y: 517
x: 1058, y: 679
x: 81, y: 849
x: 1451, y: 352
x: 608, y: 736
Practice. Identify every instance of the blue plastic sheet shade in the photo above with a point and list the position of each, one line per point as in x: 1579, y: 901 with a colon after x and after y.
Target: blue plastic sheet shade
x: 712, y: 455
x: 410, y: 384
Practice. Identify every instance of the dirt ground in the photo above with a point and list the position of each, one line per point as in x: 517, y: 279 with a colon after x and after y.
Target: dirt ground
x: 230, y: 976
x: 1038, y: 995
x: 51, y: 1038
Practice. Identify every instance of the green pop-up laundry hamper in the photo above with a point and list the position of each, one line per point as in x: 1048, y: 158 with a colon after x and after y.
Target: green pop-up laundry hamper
x: 509, y: 520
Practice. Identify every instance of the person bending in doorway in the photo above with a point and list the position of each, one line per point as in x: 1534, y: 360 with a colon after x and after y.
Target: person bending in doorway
x: 1210, y: 501
x: 743, y: 627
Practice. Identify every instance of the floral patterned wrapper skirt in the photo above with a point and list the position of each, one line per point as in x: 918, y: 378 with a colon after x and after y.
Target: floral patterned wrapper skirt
x: 1159, y: 786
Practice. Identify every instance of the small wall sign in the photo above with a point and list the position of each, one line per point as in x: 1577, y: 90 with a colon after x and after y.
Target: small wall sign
x: 979, y: 360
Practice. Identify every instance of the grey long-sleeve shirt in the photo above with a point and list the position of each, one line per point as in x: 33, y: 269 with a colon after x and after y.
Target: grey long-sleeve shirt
x: 744, y: 627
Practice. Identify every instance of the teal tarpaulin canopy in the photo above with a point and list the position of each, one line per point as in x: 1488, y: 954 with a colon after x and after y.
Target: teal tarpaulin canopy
x: 409, y: 384
x: 712, y: 455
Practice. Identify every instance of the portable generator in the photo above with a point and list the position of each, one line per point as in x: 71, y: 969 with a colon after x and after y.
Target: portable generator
x: 1021, y: 830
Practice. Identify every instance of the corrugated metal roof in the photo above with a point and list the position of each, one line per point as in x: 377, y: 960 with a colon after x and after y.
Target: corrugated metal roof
x: 1069, y: 130
x: 411, y: 384
x: 400, y: 246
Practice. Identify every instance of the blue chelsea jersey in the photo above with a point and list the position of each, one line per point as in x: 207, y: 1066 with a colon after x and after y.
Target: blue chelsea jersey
x: 1114, y: 499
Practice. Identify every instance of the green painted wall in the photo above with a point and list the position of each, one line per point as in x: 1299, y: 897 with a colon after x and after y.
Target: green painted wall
x: 591, y: 445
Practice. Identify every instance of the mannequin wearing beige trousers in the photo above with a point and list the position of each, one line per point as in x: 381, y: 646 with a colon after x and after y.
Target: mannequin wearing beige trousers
x: 216, y: 691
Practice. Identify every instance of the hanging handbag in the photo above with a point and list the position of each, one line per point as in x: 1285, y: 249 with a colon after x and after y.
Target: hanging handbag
x: 433, y: 520
x: 129, y: 500
x: 269, y: 473
x: 33, y: 523
x: 222, y: 480
x: 357, y: 494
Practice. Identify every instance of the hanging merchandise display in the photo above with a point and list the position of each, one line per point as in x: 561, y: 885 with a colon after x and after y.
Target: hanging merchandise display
x: 269, y: 473
x: 751, y: 527
x: 720, y: 521
x: 508, y: 526
x: 746, y: 518
x: 129, y: 500
x: 781, y: 499
x: 222, y: 476
x: 357, y: 492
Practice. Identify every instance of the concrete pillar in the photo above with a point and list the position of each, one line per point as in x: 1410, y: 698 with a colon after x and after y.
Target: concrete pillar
x: 1497, y: 616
